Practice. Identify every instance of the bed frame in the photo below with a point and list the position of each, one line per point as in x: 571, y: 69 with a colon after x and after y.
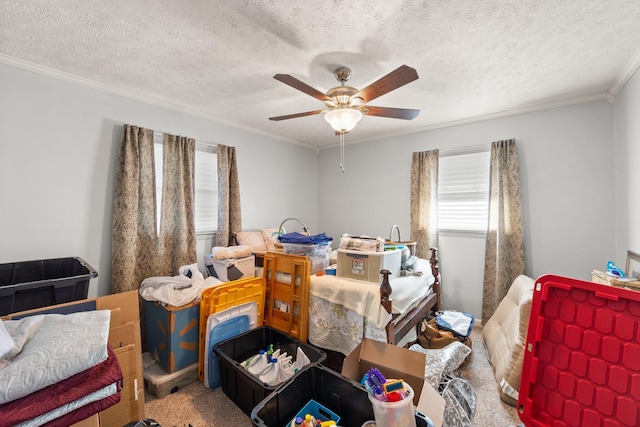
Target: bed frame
x: 399, y: 326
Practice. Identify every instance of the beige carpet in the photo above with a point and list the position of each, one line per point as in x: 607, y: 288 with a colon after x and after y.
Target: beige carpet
x: 203, y: 407
x: 490, y: 409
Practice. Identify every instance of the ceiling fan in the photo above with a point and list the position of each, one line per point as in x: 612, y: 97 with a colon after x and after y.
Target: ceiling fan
x: 346, y: 105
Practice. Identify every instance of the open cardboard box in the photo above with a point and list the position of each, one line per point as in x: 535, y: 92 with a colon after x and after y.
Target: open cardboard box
x: 124, y: 337
x: 396, y: 362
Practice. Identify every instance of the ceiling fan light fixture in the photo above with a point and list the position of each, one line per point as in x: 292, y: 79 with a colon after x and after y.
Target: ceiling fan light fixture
x: 343, y: 119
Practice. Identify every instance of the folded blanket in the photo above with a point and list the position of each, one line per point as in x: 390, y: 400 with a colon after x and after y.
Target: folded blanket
x: 62, y: 346
x: 231, y: 252
x: 303, y: 239
x: 62, y: 393
x: 84, y: 412
x: 78, y: 410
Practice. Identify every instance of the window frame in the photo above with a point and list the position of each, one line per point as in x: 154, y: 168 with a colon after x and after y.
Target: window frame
x: 475, y: 232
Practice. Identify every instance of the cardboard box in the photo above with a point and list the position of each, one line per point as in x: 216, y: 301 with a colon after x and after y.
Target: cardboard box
x: 172, y: 334
x: 396, y: 362
x: 228, y: 270
x: 124, y: 337
x: 366, y: 266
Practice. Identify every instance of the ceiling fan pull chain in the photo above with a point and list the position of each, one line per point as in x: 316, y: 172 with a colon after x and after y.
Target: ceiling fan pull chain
x: 342, y: 151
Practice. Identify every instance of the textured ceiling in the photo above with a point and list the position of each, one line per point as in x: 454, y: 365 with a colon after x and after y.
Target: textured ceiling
x: 216, y: 59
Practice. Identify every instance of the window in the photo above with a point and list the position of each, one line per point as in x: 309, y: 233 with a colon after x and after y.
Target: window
x: 206, y: 185
x: 463, y: 192
x: 206, y: 189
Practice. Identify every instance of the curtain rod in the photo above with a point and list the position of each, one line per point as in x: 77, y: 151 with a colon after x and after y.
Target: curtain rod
x: 202, y: 143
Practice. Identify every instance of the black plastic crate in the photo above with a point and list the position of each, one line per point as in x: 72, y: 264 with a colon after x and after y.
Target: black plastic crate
x: 343, y: 396
x: 242, y: 388
x: 33, y: 284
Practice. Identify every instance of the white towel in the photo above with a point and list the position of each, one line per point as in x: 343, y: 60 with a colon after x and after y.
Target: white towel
x: 231, y: 252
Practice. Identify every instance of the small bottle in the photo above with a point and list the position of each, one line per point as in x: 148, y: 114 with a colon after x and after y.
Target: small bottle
x: 270, y: 374
x: 296, y: 422
x: 309, y: 421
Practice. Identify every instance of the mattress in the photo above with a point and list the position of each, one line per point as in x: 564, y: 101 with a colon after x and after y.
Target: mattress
x: 504, y: 335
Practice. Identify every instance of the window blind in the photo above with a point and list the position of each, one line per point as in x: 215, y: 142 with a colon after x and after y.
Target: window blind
x: 206, y: 189
x: 463, y: 192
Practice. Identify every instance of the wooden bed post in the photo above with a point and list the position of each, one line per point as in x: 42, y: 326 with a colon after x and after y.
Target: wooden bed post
x: 385, y: 291
x: 435, y: 270
x: 400, y: 325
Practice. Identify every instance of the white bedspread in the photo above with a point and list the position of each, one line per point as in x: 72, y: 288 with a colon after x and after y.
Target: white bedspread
x: 58, y: 346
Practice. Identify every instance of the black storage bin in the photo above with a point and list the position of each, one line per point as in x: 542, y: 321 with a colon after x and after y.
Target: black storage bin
x: 33, y: 284
x: 345, y: 397
x: 240, y: 386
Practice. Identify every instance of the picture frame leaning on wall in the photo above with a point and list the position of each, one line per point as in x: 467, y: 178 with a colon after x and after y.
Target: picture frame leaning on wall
x: 632, y: 268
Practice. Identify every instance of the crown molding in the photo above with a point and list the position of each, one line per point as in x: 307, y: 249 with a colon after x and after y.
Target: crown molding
x: 505, y: 113
x: 627, y: 72
x: 610, y: 94
x: 137, y: 96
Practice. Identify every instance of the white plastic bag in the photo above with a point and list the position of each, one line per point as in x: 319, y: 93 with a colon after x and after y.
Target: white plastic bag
x: 177, y: 290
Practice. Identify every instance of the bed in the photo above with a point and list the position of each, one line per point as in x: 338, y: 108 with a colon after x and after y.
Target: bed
x: 342, y: 311
x: 59, y: 369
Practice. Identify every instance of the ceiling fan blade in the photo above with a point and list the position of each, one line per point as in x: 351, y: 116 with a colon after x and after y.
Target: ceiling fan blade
x: 301, y: 86
x: 293, y: 116
x: 394, y: 113
x: 395, y: 79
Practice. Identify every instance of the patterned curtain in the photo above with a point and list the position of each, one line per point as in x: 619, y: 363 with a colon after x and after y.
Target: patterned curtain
x: 504, y: 249
x: 229, y: 215
x: 134, y: 238
x: 177, y: 224
x: 424, y: 201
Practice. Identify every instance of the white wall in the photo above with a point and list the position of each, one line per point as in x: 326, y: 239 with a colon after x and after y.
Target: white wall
x: 58, y: 148
x: 627, y: 168
x: 566, y: 168
x: 59, y: 143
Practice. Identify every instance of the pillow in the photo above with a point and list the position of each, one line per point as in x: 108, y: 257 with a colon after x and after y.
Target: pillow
x: 253, y: 239
x: 505, y: 334
x: 270, y: 236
